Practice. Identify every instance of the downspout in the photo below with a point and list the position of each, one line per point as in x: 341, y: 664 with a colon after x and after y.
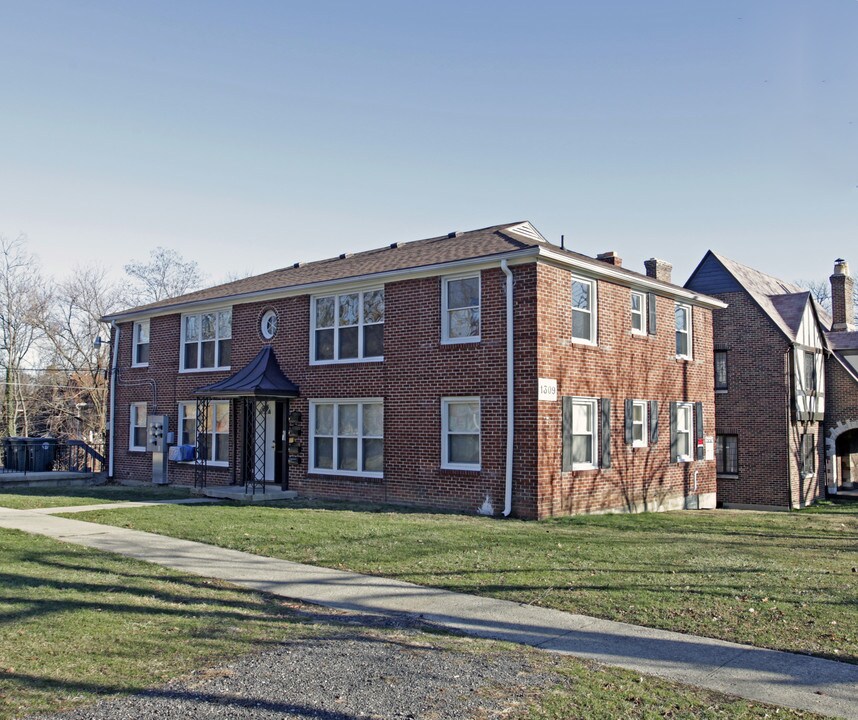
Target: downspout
x: 110, y: 424
x: 510, y: 391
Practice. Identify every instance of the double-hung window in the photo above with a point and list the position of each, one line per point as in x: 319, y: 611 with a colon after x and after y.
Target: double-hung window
x: 584, y: 310
x: 460, y: 309
x: 638, y: 313
x: 207, y: 340
x: 460, y: 433
x: 140, y: 344
x: 640, y: 427
x: 721, y: 371
x: 683, y: 331
x: 347, y: 437
x: 585, y: 434
x: 216, y: 441
x: 807, y: 449
x: 684, y: 432
x: 138, y: 426
x: 348, y: 327
x: 727, y: 454
x: 809, y: 376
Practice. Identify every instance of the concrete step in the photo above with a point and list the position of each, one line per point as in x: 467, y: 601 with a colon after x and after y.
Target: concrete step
x: 238, y: 493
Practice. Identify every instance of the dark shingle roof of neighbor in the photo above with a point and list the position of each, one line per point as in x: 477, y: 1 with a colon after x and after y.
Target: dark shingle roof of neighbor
x: 782, y: 301
x: 474, y: 244
x: 843, y: 340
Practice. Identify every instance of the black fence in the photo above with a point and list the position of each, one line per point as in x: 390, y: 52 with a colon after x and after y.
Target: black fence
x: 27, y: 455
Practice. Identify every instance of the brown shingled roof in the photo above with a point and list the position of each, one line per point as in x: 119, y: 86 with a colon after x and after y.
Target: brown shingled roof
x: 397, y: 256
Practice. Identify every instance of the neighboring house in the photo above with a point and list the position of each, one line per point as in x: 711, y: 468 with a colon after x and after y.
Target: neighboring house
x: 841, y: 413
x: 773, y: 362
x: 488, y: 370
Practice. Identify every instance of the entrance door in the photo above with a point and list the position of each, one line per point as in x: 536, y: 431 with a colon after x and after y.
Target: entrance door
x: 267, y: 415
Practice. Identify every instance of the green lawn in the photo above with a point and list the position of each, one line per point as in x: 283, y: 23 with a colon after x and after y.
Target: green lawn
x: 78, y: 624
x: 778, y: 580
x: 31, y: 498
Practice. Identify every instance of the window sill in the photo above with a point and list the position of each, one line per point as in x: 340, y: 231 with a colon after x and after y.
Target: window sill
x: 460, y: 341
x: 639, y: 333
x: 728, y: 476
x: 138, y: 449
x: 348, y: 361
x: 584, y: 468
x: 139, y: 365
x: 722, y: 391
x: 684, y: 358
x: 205, y: 370
x: 639, y: 445
x: 350, y: 474
x: 461, y: 468
x: 325, y: 475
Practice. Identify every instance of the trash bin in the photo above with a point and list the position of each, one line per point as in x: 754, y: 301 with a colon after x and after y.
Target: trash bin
x: 17, y: 457
x: 41, y: 453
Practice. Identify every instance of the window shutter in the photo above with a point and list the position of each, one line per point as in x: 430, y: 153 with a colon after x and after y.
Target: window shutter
x: 698, y: 429
x: 629, y: 417
x: 650, y: 308
x: 566, y: 464
x: 673, y: 432
x: 606, y: 432
x: 653, y: 422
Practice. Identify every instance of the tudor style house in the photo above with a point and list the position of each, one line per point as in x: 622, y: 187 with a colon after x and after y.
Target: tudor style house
x: 781, y: 379
x: 486, y: 371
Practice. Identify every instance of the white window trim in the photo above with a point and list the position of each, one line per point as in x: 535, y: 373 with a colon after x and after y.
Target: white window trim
x: 135, y: 342
x: 446, y: 402
x: 445, y: 310
x: 132, y: 418
x: 265, y: 324
x: 680, y: 407
x: 643, y: 313
x: 689, y: 332
x: 594, y: 306
x: 336, y: 402
x: 199, y: 315
x: 644, y: 442
x: 336, y: 360
x: 181, y: 417
x: 595, y: 418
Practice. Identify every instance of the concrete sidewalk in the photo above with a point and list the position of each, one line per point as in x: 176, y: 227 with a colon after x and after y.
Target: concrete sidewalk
x: 796, y: 681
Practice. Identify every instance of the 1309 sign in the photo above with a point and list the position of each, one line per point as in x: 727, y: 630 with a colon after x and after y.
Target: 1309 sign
x: 547, y: 390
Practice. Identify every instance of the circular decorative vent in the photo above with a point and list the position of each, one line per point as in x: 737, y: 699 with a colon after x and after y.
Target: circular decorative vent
x: 268, y: 326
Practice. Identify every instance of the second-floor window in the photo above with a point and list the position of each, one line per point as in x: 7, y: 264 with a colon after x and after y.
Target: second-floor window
x: 207, y: 340
x: 721, y: 370
x: 460, y: 309
x: 683, y: 331
x: 638, y: 313
x: 141, y: 343
x: 810, y: 378
x: 583, y: 310
x: 349, y: 326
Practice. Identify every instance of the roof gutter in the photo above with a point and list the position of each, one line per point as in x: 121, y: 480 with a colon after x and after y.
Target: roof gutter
x: 604, y: 270
x: 510, y: 391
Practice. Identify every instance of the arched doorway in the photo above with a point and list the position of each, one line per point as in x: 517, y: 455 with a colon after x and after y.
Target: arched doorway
x: 842, y: 452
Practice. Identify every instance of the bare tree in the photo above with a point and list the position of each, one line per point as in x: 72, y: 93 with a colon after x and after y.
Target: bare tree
x: 23, y: 300
x: 166, y: 274
x: 821, y: 291
x: 78, y: 401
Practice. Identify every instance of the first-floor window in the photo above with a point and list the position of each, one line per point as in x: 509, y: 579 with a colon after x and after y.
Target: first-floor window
x: 137, y: 440
x: 684, y: 431
x: 216, y: 441
x: 582, y: 429
x: 727, y: 454
x: 460, y: 433
x: 348, y: 437
x: 639, y: 423
x: 808, y: 454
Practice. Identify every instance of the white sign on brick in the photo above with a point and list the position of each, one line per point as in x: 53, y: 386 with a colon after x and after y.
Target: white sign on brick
x: 547, y: 390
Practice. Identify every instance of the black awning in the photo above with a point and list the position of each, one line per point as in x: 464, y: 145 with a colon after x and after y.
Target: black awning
x: 260, y: 378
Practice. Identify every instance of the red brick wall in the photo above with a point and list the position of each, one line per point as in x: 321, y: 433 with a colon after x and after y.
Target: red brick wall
x: 757, y: 408
x: 622, y: 366
x: 418, y: 370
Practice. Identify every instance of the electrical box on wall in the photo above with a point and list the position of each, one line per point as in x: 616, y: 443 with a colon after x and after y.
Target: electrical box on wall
x: 158, y: 436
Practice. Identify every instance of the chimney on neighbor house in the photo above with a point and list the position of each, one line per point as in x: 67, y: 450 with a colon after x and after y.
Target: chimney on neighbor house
x: 842, y: 309
x: 658, y: 269
x: 611, y: 258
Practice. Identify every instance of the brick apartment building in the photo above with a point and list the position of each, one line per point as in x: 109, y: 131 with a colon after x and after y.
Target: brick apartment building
x: 782, y: 378
x: 485, y: 371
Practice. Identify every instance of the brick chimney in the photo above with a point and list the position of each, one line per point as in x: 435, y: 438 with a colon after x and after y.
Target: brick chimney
x: 611, y: 258
x: 658, y: 269
x: 842, y: 309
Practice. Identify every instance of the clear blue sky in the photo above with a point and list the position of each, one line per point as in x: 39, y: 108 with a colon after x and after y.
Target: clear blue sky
x: 248, y: 135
